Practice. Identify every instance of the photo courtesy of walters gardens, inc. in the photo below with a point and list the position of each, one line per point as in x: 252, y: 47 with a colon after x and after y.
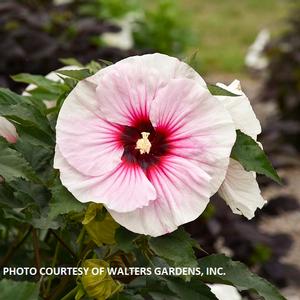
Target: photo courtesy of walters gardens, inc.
x: 149, y: 150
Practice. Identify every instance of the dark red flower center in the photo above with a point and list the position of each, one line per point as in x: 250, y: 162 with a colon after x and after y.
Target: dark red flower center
x: 157, y: 138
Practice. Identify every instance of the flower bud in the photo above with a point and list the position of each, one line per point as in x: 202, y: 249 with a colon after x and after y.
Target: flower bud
x: 101, y: 286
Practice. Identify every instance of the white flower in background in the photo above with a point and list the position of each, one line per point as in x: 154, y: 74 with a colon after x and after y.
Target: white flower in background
x: 240, y: 189
x: 255, y: 58
x: 225, y: 292
x: 122, y: 39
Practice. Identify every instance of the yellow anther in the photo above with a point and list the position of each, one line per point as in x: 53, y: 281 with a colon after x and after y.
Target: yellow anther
x: 143, y: 144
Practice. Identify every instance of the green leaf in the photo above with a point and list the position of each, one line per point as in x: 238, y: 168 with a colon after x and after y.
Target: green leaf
x: 252, y: 157
x: 18, y: 290
x: 218, y: 91
x: 9, y: 97
x: 38, y: 155
x: 237, y: 274
x: 95, y: 66
x: 195, y: 289
x: 193, y: 60
x: 125, y: 239
x: 75, y: 74
x: 13, y: 165
x: 39, y: 81
x: 71, y: 62
x: 7, y: 198
x: 62, y: 201
x: 27, y: 116
x: 176, y: 248
x: 43, y: 95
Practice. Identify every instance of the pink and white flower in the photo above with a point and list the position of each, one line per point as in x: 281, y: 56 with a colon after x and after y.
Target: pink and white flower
x: 8, y: 130
x: 147, y: 139
x: 240, y: 189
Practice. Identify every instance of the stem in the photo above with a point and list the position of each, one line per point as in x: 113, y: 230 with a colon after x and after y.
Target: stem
x: 71, y: 294
x: 63, y: 243
x: 52, y: 265
x: 36, y: 246
x: 15, y: 245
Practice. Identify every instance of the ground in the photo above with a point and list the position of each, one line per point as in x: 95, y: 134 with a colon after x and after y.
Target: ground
x: 225, y: 29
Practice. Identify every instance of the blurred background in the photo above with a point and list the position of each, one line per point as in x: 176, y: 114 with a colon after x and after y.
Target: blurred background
x: 255, y: 41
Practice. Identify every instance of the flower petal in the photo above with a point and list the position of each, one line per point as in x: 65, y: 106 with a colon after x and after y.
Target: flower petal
x: 167, y: 66
x: 225, y: 292
x: 199, y: 127
x: 241, y: 191
x: 89, y: 143
x: 126, y: 91
x: 123, y: 189
x: 127, y: 88
x: 240, y: 109
x: 183, y: 193
x: 8, y: 130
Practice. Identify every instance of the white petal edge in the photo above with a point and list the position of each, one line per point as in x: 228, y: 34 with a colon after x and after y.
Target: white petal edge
x: 166, y: 66
x: 241, y: 191
x: 240, y: 109
x: 225, y: 292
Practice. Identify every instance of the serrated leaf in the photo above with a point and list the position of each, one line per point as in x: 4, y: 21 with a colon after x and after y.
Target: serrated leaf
x: 27, y: 116
x: 194, y: 289
x: 218, y: 91
x: 75, y: 74
x: 13, y: 165
x: 18, y: 290
x: 176, y: 248
x: 39, y: 156
x: 237, y: 274
x: 249, y: 154
x: 7, y: 198
x: 62, y: 201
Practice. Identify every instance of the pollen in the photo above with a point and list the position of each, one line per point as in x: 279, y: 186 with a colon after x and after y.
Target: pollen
x: 143, y: 144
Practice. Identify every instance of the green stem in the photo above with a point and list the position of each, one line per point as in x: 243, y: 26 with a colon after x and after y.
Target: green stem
x: 15, y: 245
x: 53, y: 264
x: 63, y: 243
x: 80, y: 239
x: 36, y: 246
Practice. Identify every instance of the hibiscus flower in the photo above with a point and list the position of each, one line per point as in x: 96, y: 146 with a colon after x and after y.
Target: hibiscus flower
x: 145, y: 138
